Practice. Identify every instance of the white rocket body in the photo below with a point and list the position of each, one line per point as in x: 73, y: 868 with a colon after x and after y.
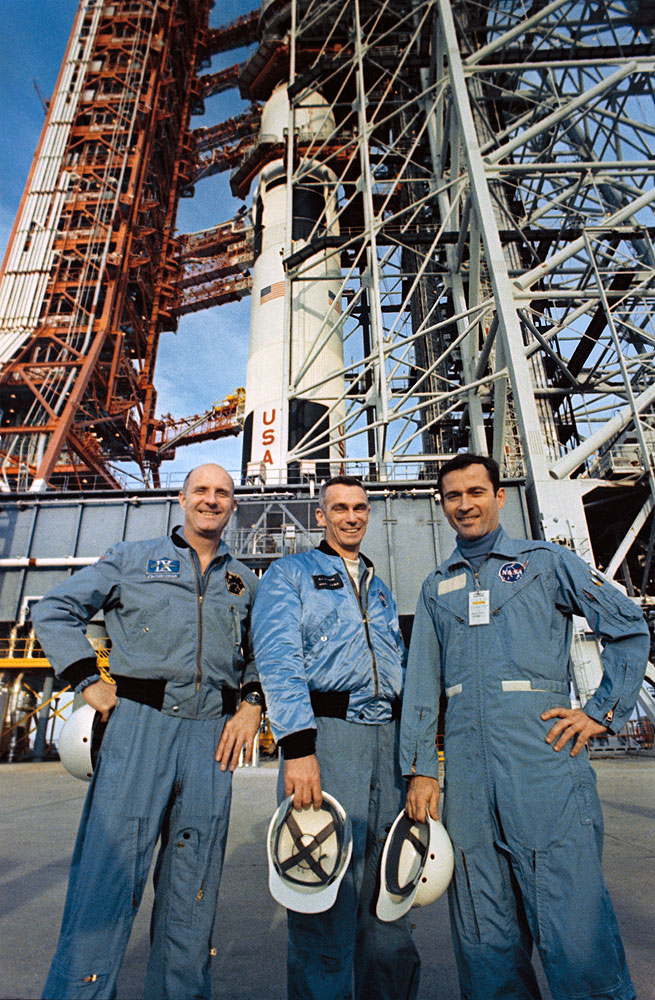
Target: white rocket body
x: 309, y: 340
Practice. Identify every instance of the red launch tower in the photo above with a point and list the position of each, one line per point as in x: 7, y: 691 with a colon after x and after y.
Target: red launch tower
x: 94, y: 273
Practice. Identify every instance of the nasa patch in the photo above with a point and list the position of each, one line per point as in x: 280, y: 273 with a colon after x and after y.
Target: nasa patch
x: 383, y: 600
x: 163, y: 567
x: 511, y: 572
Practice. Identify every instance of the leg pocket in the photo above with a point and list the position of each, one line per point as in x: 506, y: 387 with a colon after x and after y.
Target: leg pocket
x: 570, y: 910
x: 490, y: 935
x: 185, y: 874
x: 81, y: 979
x: 319, y: 956
x: 584, y: 785
x: 462, y: 899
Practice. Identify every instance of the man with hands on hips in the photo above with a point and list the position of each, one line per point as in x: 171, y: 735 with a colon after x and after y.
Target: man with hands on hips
x: 182, y: 701
x: 493, y: 631
x: 331, y: 660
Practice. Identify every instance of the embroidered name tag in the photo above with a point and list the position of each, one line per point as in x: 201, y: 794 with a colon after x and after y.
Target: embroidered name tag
x: 163, y: 567
x: 234, y: 584
x: 322, y: 582
x: 454, y: 583
x: 511, y: 572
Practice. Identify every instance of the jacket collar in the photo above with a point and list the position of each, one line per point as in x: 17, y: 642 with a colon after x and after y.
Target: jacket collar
x: 178, y: 539
x: 329, y: 551
x: 504, y: 546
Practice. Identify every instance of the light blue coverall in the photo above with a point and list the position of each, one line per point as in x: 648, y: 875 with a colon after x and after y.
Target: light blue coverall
x: 180, y: 650
x: 525, y: 821
x: 332, y: 668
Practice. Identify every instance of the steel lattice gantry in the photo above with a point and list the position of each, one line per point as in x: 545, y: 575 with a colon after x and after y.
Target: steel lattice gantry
x: 489, y: 204
x: 476, y: 184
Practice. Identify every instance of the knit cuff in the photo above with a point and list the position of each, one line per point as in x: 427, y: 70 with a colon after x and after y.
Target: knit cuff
x: 300, y: 744
x: 76, y: 672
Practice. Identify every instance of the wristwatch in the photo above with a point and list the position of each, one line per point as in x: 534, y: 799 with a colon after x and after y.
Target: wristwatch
x: 254, y: 698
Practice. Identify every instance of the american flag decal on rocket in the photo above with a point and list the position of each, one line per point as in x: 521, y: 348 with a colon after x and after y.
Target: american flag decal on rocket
x: 274, y: 291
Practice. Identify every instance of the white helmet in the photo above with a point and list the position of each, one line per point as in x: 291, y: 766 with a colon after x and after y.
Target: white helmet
x: 79, y: 742
x: 417, y: 866
x: 308, y: 853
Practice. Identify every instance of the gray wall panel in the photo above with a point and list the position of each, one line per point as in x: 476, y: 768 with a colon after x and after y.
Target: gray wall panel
x: 417, y: 546
x: 100, y: 527
x: 149, y: 520
x: 15, y: 530
x: 407, y: 537
x: 56, y: 529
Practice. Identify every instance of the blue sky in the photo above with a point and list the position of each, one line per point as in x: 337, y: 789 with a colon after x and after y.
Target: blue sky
x: 206, y: 359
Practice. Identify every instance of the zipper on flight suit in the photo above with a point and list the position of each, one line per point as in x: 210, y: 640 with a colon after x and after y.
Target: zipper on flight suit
x: 476, y: 572
x: 364, y: 615
x: 201, y: 586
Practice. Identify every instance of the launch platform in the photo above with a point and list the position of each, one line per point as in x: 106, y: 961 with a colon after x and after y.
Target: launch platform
x: 42, y: 805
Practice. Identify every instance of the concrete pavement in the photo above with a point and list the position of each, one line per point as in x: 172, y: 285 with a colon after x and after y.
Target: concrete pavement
x: 41, y: 805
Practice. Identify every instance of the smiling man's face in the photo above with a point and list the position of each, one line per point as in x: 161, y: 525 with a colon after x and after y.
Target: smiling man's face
x: 469, y: 502
x: 207, y: 501
x: 345, y: 518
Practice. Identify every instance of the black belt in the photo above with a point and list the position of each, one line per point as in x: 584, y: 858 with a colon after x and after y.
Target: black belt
x: 151, y: 692
x: 334, y: 704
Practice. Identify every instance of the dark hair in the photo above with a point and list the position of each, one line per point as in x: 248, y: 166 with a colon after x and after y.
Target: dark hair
x: 463, y: 461
x: 337, y: 481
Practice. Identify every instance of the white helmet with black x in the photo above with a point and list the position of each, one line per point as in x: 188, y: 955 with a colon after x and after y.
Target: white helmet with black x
x: 308, y: 853
x: 417, y: 866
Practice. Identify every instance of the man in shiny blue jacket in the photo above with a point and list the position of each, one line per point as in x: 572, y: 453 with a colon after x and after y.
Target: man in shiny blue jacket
x: 331, y: 661
x: 493, y: 631
x: 177, y: 610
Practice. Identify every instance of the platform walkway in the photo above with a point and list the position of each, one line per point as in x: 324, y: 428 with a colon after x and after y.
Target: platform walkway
x: 40, y: 806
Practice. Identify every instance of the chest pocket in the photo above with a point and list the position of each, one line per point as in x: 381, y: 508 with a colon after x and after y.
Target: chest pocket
x: 223, y: 619
x: 146, y: 636
x: 512, y: 591
x: 153, y: 616
x: 451, y: 624
x: 319, y: 637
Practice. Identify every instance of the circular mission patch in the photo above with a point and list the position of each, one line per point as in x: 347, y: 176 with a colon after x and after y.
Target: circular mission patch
x: 511, y: 572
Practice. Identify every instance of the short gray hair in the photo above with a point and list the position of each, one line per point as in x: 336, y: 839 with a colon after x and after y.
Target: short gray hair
x: 337, y: 481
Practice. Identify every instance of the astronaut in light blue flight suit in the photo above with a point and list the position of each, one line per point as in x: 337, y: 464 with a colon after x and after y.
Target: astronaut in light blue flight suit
x: 177, y: 610
x: 332, y: 662
x: 493, y: 630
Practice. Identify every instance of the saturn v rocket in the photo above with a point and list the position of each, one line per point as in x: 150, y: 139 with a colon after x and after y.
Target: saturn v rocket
x: 295, y: 387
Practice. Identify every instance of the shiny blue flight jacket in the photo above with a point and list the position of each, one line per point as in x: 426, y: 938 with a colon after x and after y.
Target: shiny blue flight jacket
x: 311, y: 632
x: 165, y: 620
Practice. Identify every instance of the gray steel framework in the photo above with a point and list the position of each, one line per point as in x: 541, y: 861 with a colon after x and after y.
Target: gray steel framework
x: 494, y: 200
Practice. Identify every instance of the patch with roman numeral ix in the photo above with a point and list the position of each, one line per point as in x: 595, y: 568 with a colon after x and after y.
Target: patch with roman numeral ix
x: 234, y: 584
x: 164, y: 567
